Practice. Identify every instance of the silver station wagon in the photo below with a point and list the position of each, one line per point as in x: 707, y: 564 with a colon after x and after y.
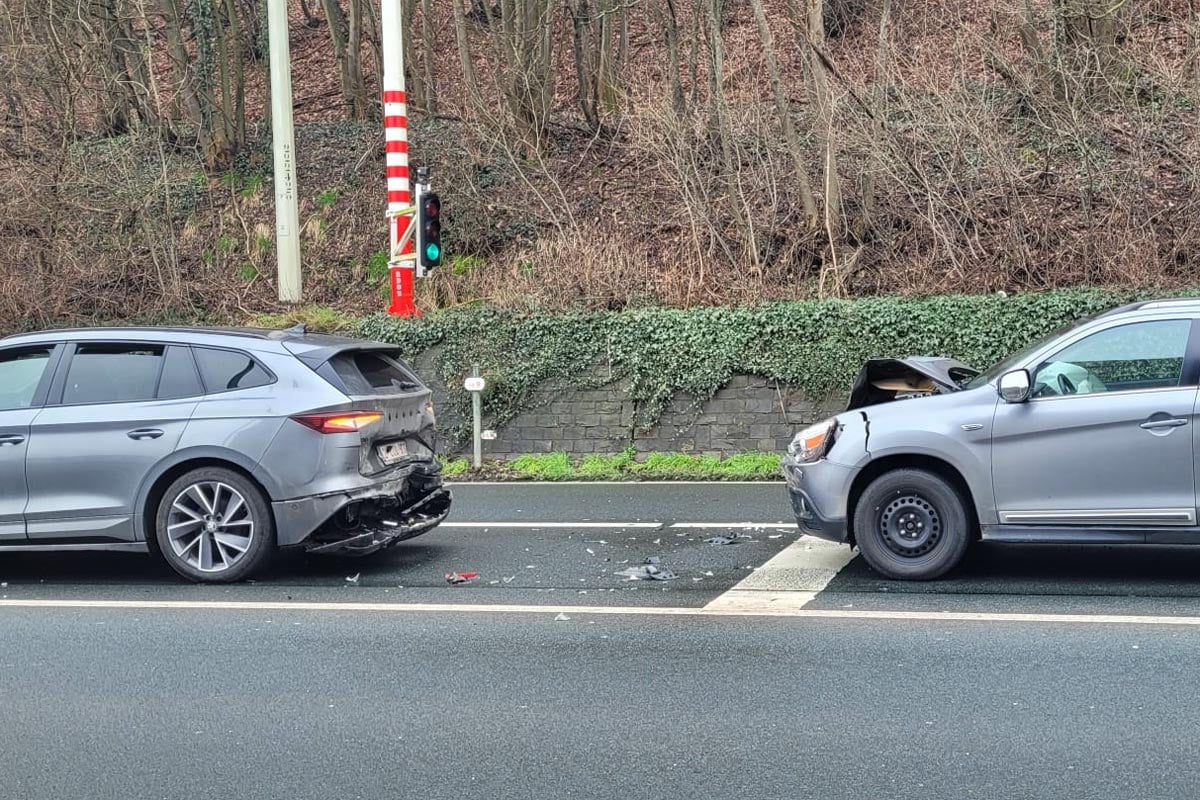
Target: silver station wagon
x: 1088, y: 436
x: 212, y: 448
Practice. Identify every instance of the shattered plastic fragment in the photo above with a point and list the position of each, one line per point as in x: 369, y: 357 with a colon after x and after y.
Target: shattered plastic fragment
x: 648, y: 571
x: 460, y: 577
x: 562, y: 617
x: 732, y: 538
x: 353, y: 578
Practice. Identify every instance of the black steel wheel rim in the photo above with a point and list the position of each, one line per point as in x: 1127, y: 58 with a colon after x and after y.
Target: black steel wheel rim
x: 910, y: 525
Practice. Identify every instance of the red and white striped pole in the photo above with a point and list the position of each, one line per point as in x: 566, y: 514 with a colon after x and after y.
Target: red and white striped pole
x: 395, y: 135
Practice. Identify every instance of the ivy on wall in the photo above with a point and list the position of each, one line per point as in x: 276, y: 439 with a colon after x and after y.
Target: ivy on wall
x: 815, y: 346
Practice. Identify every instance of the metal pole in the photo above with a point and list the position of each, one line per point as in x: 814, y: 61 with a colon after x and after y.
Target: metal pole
x: 477, y: 419
x: 395, y: 134
x: 283, y: 141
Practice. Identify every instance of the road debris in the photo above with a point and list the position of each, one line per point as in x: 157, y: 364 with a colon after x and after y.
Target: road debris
x: 562, y: 617
x: 732, y: 538
x: 353, y: 578
x: 509, y: 578
x: 453, y: 578
x: 650, y: 571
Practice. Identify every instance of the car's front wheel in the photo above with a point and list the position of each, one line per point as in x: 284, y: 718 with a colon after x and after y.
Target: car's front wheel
x: 214, y: 526
x: 911, y: 524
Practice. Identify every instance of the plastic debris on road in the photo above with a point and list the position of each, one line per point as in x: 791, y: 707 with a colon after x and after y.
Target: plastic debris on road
x: 353, y: 578
x: 460, y: 577
x: 650, y: 571
x: 562, y: 617
x: 732, y: 538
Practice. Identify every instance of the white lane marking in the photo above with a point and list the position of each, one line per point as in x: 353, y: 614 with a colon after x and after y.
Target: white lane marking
x: 533, y: 524
x: 643, y: 611
x: 791, y: 579
x: 775, y: 526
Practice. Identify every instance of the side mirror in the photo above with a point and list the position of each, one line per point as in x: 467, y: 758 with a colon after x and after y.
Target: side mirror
x: 1013, y: 387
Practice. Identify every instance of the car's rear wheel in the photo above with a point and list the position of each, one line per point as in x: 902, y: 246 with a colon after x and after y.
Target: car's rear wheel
x: 214, y: 526
x: 912, y: 525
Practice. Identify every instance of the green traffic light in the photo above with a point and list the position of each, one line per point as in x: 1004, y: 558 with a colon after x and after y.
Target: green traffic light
x: 432, y: 251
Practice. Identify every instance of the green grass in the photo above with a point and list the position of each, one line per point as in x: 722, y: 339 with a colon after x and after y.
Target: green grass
x: 326, y: 199
x: 317, y: 318
x: 751, y: 466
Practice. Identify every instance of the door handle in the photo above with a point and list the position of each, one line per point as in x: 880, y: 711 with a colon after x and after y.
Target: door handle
x: 1163, y: 423
x: 144, y: 433
x: 8, y: 440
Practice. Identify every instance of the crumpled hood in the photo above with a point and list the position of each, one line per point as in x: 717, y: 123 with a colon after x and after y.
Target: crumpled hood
x: 883, y: 379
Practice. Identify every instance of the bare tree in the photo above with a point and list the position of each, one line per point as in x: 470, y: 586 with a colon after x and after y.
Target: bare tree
x: 785, y: 117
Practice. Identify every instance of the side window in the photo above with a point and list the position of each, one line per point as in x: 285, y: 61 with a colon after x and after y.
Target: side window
x: 112, y: 373
x: 20, y: 373
x: 179, y: 377
x: 225, y: 370
x: 1141, y: 355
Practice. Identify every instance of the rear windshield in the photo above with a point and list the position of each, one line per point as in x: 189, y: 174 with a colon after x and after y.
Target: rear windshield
x: 373, y: 372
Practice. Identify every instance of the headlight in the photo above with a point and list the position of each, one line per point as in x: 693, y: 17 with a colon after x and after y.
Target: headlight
x: 813, y: 442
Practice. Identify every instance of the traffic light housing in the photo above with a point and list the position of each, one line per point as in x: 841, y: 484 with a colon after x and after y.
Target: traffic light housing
x: 429, y: 230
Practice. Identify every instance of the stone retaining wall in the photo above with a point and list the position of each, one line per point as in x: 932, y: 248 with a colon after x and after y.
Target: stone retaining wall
x: 748, y: 413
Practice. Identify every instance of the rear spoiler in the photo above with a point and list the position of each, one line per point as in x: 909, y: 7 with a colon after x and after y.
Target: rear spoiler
x: 315, y: 357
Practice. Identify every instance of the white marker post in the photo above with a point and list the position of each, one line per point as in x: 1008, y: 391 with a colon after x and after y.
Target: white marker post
x: 475, y: 385
x: 283, y: 142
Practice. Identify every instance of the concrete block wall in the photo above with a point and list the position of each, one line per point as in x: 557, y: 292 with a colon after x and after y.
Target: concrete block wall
x: 748, y: 413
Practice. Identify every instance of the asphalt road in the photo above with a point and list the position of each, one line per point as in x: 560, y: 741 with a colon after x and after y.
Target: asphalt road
x: 790, y: 671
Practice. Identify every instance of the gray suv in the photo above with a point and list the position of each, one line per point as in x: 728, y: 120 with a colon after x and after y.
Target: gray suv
x: 1087, y: 436
x: 212, y: 448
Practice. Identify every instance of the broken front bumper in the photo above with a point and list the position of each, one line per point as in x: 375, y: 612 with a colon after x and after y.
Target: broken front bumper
x: 818, y: 491
x: 366, y: 520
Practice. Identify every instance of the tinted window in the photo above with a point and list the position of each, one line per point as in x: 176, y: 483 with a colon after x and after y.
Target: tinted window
x: 113, y: 373
x: 225, y: 370
x: 179, y: 376
x: 366, y: 372
x: 20, y: 373
x: 1142, y: 355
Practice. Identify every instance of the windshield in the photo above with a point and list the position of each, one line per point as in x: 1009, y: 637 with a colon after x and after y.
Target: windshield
x: 1011, y: 361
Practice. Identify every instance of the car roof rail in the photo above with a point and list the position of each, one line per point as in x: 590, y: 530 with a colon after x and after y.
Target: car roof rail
x: 1181, y: 302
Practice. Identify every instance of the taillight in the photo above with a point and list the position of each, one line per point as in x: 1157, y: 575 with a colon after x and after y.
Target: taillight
x: 339, y: 422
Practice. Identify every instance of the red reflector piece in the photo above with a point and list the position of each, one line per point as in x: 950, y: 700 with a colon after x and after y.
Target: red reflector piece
x: 339, y: 422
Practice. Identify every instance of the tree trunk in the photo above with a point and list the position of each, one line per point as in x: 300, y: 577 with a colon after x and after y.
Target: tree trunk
x: 719, y: 127
x: 414, y: 80
x: 878, y: 112
x: 585, y: 61
x: 1088, y: 35
x: 215, y: 146
x: 790, y: 136
x: 664, y: 11
x: 239, y: 72
x: 358, y: 101
x: 466, y: 59
x: 429, y: 42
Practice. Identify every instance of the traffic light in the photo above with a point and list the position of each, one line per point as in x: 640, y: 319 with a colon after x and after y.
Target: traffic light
x: 429, y: 230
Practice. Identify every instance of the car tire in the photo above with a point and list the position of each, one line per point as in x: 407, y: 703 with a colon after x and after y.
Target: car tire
x: 911, y: 524
x: 213, y: 525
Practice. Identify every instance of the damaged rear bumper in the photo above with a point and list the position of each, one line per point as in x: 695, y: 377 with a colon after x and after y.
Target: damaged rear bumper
x: 366, y: 520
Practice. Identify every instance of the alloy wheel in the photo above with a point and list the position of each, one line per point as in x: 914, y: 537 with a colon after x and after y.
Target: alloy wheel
x: 210, y: 526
